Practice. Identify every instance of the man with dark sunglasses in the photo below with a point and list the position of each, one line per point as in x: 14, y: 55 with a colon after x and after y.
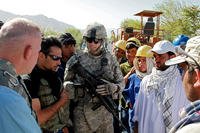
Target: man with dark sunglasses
x: 103, y: 66
x: 189, y: 60
x: 48, y: 97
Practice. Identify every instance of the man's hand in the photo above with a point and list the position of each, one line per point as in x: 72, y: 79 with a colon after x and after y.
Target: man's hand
x: 64, y: 96
x: 130, y: 105
x: 128, y: 74
x: 65, y: 130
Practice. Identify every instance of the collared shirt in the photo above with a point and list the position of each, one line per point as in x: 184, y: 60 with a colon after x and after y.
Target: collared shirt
x: 191, y: 115
x: 18, y: 112
x: 125, y: 68
x: 9, y: 78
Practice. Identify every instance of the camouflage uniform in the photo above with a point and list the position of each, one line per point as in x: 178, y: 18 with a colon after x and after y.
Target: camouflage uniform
x: 9, y: 78
x: 104, y: 66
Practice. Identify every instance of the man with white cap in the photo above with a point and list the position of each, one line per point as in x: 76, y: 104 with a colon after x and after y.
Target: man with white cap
x: 161, y: 93
x: 190, y: 62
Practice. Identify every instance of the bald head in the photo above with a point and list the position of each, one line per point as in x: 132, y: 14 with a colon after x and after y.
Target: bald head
x: 19, y: 39
x: 18, y: 29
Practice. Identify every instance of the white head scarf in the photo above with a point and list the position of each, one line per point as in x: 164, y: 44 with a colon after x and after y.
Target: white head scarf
x: 150, y: 65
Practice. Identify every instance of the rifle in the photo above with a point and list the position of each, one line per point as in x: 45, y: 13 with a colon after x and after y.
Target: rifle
x: 91, y: 83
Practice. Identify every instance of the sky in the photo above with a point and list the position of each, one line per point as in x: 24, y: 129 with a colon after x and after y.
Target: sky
x: 80, y: 13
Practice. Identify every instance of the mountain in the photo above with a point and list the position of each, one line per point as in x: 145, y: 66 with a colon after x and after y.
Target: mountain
x: 43, y: 21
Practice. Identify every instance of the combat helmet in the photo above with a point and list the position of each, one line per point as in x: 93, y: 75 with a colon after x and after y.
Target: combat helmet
x: 95, y: 30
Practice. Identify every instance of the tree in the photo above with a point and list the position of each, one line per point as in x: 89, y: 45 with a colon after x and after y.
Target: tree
x: 191, y: 16
x: 178, y: 17
x: 76, y: 33
x: 130, y: 23
x: 49, y: 32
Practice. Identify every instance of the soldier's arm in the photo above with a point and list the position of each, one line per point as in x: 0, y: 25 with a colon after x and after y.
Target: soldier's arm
x: 69, y: 76
x: 119, y: 80
x: 46, y: 114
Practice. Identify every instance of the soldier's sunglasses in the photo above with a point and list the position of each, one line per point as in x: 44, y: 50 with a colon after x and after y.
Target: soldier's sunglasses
x: 54, y: 57
x: 90, y: 40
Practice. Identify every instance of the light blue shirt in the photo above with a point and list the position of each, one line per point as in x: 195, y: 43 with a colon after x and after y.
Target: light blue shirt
x: 15, y: 114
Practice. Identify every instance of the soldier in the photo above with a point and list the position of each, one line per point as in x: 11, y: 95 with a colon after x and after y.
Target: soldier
x: 49, y: 100
x: 19, y: 45
x: 96, y: 61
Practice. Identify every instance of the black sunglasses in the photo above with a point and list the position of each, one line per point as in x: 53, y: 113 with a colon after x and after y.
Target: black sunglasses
x: 95, y: 40
x: 54, y: 57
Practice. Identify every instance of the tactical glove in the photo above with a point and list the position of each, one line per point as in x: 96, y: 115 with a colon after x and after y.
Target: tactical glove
x: 107, y: 89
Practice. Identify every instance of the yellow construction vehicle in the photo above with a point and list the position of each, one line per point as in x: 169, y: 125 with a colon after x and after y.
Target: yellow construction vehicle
x: 148, y: 33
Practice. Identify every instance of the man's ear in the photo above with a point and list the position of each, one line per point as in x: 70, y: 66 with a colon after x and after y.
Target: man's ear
x: 197, y: 78
x: 27, y: 52
x: 41, y: 55
x: 172, y: 56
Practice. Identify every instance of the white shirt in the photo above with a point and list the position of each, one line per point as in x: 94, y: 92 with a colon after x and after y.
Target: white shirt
x: 149, y: 106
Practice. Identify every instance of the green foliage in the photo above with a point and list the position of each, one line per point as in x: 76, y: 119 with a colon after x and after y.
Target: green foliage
x: 76, y: 33
x: 191, y: 16
x: 179, y: 17
x: 130, y: 23
x: 49, y: 32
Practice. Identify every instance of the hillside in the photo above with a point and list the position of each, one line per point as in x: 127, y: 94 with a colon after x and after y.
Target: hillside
x: 43, y: 21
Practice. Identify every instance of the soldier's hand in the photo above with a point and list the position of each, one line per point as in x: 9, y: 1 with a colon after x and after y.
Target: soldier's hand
x: 103, y: 89
x: 64, y: 96
x: 107, y: 89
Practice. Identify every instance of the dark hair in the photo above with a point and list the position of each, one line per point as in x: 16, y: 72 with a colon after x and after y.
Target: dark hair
x: 49, y: 42
x: 150, y: 19
x: 170, y: 53
x: 131, y: 45
x: 67, y: 39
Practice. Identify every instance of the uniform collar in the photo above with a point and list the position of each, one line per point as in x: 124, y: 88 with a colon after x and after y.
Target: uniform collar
x: 8, y: 66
